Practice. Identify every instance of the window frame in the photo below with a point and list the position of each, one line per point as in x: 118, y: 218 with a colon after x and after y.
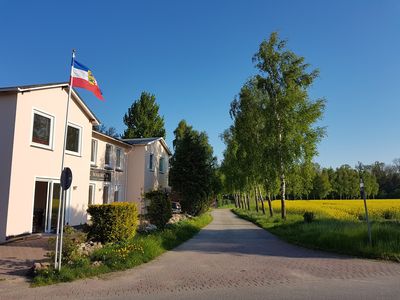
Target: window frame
x: 119, y: 188
x: 151, y: 162
x: 51, y: 134
x: 110, y: 163
x: 121, y: 159
x: 70, y: 152
x: 96, y: 143
x: 93, y: 186
x: 161, y: 163
x: 108, y: 193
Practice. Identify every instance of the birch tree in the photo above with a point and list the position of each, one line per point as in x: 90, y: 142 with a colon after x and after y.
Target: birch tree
x: 290, y: 133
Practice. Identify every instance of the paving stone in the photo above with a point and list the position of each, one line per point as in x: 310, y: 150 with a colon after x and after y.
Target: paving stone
x: 234, y: 259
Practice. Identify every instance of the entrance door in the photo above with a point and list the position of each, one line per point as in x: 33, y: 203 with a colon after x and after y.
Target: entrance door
x: 40, y: 206
x: 46, y: 203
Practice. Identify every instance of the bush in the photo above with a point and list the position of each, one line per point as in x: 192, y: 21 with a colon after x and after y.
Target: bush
x: 72, y: 238
x: 388, y: 214
x: 159, y: 211
x: 309, y: 216
x: 113, y: 222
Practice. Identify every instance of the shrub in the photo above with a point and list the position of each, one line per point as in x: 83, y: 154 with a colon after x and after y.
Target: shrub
x: 388, y: 214
x: 361, y: 217
x: 113, y: 222
x: 309, y: 216
x: 159, y: 211
x: 72, y: 238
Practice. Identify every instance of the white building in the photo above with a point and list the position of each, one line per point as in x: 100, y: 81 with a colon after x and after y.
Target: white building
x: 105, y: 169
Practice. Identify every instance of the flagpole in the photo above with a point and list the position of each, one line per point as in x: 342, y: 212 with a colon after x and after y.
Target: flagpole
x: 61, y: 206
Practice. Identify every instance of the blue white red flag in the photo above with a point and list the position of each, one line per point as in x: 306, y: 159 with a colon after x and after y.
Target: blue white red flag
x: 82, y: 77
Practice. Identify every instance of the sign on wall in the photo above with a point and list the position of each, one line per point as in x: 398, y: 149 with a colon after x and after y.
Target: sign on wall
x: 100, y: 175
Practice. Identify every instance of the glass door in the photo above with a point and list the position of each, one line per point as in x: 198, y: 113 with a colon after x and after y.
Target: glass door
x: 55, y: 203
x: 46, y: 205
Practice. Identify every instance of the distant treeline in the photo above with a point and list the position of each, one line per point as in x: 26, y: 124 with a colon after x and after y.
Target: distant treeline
x: 381, y: 181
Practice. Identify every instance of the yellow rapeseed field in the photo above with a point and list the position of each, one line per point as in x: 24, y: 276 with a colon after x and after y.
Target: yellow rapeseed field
x: 344, y: 209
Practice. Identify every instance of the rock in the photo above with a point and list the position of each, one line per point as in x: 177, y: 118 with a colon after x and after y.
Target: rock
x: 37, y: 266
x: 177, y: 218
x: 97, y: 263
x: 86, y: 249
x: 146, y: 228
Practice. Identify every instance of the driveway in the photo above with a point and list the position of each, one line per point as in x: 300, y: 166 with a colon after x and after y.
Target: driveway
x: 233, y: 259
x: 17, y: 257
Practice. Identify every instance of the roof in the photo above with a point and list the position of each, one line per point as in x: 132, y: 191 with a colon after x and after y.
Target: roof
x: 142, y: 141
x: 21, y: 88
x: 147, y: 141
x: 121, y: 142
x: 32, y: 87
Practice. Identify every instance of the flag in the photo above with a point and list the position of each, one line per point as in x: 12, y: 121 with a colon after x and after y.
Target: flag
x: 82, y: 77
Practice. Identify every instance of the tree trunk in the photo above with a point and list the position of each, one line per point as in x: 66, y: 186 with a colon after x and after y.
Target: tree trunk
x: 255, y: 198
x: 248, y: 201
x: 283, y: 192
x: 271, y: 212
x: 262, y: 201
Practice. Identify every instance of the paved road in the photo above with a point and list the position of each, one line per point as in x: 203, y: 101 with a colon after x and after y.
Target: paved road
x: 233, y: 259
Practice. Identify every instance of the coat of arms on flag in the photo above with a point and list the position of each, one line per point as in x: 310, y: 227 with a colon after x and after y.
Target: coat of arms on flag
x: 82, y: 77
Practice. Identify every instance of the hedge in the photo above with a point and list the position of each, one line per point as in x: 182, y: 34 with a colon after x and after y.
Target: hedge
x: 113, y: 222
x: 159, y: 211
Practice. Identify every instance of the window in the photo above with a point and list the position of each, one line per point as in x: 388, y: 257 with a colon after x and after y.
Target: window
x: 151, y: 161
x: 119, y: 193
x: 106, y: 190
x: 116, y: 195
x: 73, y: 139
x: 91, y: 194
x: 118, y: 159
x: 161, y: 165
x: 93, y: 154
x: 107, y: 160
x: 42, y: 130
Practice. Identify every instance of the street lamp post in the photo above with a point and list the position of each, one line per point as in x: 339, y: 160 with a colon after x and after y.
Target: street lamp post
x: 363, y: 195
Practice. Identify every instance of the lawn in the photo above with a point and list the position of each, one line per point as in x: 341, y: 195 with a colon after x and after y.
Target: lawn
x: 113, y: 257
x: 339, y: 226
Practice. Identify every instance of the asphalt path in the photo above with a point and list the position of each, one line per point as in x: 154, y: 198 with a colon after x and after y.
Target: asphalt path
x: 233, y: 259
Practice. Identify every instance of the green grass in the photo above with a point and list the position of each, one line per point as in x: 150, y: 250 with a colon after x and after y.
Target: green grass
x: 340, y: 236
x: 115, y: 257
x: 227, y: 206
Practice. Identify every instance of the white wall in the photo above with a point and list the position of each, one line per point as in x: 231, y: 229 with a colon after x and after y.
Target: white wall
x: 30, y: 162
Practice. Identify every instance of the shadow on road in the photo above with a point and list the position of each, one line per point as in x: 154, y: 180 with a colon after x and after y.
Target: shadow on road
x: 240, y: 237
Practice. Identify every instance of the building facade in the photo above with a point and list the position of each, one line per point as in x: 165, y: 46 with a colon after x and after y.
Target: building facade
x: 105, y: 169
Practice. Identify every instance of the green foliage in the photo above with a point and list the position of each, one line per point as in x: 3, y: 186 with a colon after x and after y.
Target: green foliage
x: 192, y: 173
x: 159, y: 211
x: 388, y: 214
x: 388, y: 178
x: 321, y: 185
x: 309, y: 216
x: 143, y: 120
x: 126, y: 254
x: 274, y: 136
x: 113, y: 222
x: 72, y: 238
x: 110, y: 131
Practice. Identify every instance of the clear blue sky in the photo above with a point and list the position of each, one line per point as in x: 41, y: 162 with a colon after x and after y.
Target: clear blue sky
x: 195, y: 55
